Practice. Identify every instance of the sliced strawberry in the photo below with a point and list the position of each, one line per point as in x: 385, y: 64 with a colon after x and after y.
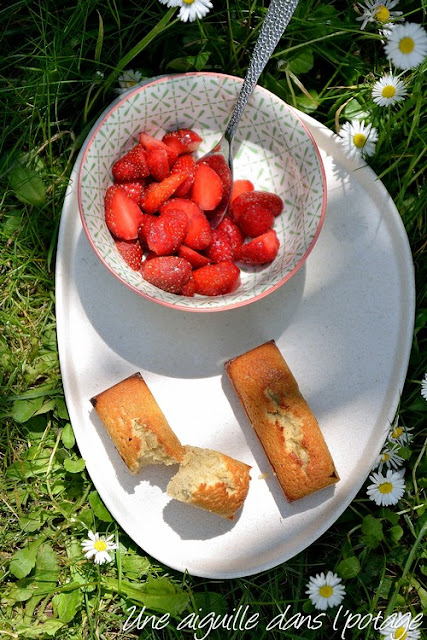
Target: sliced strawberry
x: 182, y: 140
x: 254, y: 220
x: 240, y: 186
x: 131, y: 252
x: 220, y: 249
x: 134, y: 189
x: 261, y: 198
x: 230, y: 228
x: 149, y: 142
x: 199, y: 233
x: 158, y: 163
x: 219, y: 164
x: 216, y: 279
x: 169, y: 273
x: 259, y: 250
x: 189, y: 289
x: 123, y: 170
x: 122, y: 215
x: 207, y: 188
x: 166, y: 234
x: 183, y: 163
x: 157, y: 193
x: 195, y: 258
x: 138, y: 156
x: 146, y: 221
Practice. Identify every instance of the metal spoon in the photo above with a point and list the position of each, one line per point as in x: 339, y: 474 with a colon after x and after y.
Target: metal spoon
x: 277, y: 19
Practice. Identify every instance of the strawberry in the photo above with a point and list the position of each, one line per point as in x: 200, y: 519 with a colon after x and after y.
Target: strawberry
x: 230, y: 228
x: 207, y: 188
x: 122, y: 214
x: 146, y: 221
x: 254, y: 220
x: 199, y: 233
x: 131, y: 252
x: 167, y: 232
x: 195, y: 258
x: 189, y: 289
x: 134, y: 189
x: 262, y: 249
x: 218, y: 163
x: 182, y: 140
x: 124, y: 170
x: 169, y: 273
x: 240, y: 186
x: 216, y: 279
x: 138, y: 157
x: 261, y: 198
x: 220, y: 249
x: 158, y: 163
x: 149, y: 142
x: 158, y: 192
x: 183, y: 163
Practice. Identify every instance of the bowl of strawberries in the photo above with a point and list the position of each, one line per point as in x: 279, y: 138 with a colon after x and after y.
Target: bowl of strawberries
x: 150, y: 198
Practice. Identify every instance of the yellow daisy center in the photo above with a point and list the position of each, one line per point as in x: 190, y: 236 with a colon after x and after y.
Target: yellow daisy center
x: 397, y: 432
x: 189, y: 1
x: 388, y: 91
x: 385, y: 487
x: 100, y: 545
x: 385, y: 457
x: 359, y: 140
x: 406, y: 45
x: 400, y: 633
x: 326, y: 591
x: 382, y: 14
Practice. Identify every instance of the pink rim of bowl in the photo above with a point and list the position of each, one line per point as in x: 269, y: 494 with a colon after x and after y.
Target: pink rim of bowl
x: 227, y: 305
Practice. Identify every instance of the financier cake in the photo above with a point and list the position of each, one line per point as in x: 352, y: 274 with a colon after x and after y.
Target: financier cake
x: 137, y: 425
x: 283, y: 421
x: 211, y: 480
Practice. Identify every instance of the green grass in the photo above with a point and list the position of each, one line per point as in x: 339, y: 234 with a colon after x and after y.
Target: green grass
x: 50, y: 95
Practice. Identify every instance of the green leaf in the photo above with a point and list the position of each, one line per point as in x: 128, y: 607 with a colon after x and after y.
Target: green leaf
x: 47, y: 570
x: 27, y: 185
x: 24, y: 560
x: 372, y: 530
x: 396, y: 533
x: 49, y: 628
x: 66, y: 605
x: 25, y: 408
x: 135, y: 566
x: 67, y: 436
x: 61, y: 409
x: 348, y: 568
x: 189, y: 63
x: 303, y: 62
x: 11, y: 224
x: 33, y: 521
x: 74, y: 466
x: 158, y: 594
x: 304, y: 103
x: 98, y: 507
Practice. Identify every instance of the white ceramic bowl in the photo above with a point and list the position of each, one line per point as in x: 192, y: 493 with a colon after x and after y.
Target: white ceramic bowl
x: 273, y: 149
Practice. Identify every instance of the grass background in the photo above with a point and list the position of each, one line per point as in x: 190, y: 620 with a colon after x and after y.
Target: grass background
x: 59, y: 68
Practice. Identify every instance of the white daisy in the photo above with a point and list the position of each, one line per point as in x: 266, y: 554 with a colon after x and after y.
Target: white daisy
x: 191, y: 9
x: 388, y: 90
x: 406, y: 46
x: 389, y: 458
x: 424, y: 387
x: 400, y: 435
x: 398, y: 627
x: 128, y: 79
x: 358, y: 139
x: 386, y: 490
x: 98, y: 546
x: 325, y: 591
x: 378, y: 11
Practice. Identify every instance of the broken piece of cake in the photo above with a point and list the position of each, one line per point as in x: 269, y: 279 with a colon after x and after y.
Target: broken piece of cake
x: 284, y: 423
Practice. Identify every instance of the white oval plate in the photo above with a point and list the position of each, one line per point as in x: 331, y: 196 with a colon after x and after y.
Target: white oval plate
x: 344, y: 324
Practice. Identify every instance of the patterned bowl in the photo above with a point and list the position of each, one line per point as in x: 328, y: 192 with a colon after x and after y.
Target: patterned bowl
x: 273, y: 149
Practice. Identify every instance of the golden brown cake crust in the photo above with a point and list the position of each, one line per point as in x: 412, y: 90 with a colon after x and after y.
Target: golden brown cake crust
x: 136, y: 424
x: 211, y: 480
x: 282, y: 420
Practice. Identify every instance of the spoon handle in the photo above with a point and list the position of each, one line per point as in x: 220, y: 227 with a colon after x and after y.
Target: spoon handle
x: 277, y: 19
